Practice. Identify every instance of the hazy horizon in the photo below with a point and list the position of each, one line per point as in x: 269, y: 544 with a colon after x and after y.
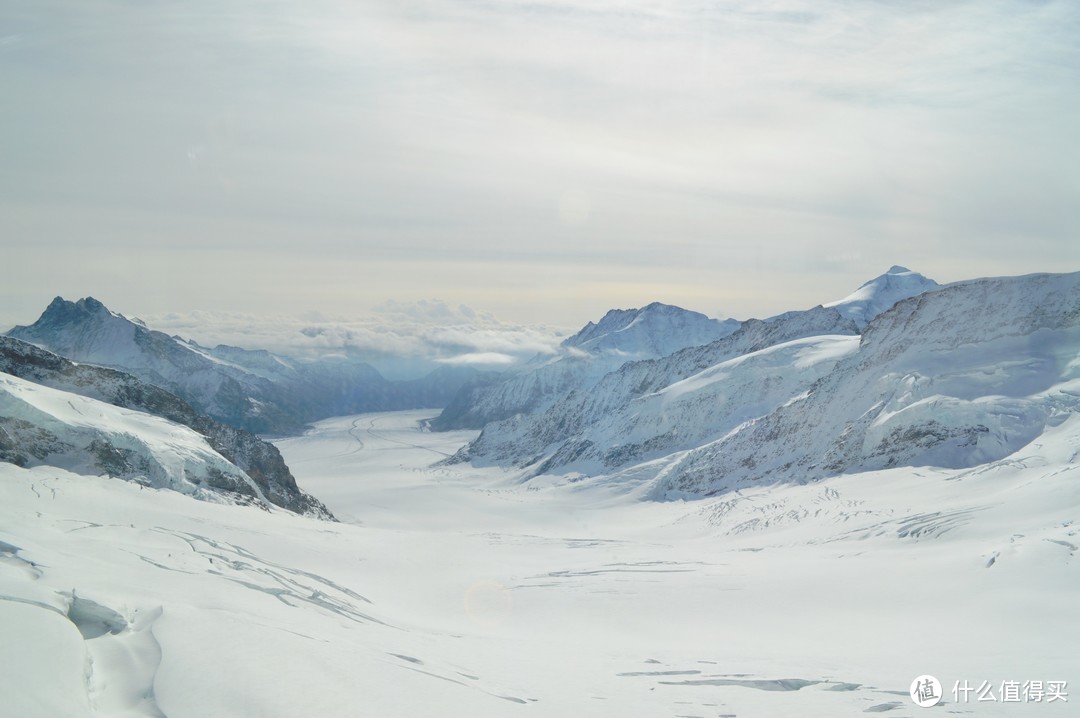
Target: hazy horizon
x: 539, y: 161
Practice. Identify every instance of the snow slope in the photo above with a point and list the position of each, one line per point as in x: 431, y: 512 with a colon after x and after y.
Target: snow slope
x: 259, y: 459
x: 43, y: 426
x: 457, y: 592
x: 621, y: 335
x: 881, y: 293
x: 551, y: 435
x: 955, y: 377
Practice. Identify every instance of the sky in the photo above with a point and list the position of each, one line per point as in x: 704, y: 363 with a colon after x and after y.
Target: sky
x: 537, y: 162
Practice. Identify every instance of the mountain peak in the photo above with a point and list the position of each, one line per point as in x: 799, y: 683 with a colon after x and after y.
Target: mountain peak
x: 881, y: 293
x: 653, y: 330
x: 91, y: 304
x: 62, y: 312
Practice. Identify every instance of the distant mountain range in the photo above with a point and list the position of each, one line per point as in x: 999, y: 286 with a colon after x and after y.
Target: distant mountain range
x: 620, y: 336
x: 951, y: 376
x: 256, y: 390
x: 656, y: 331
x: 903, y: 371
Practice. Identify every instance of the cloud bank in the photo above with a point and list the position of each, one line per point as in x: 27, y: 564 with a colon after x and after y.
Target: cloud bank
x: 401, y: 339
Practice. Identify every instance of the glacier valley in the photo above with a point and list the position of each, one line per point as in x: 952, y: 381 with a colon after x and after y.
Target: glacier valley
x: 449, y: 590
x: 674, y: 516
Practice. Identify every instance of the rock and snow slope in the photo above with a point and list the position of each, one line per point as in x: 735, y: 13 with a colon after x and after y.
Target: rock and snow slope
x: 952, y: 377
x: 248, y: 389
x: 956, y: 377
x: 620, y: 336
x: 881, y: 293
x: 557, y: 434
x: 40, y: 426
x: 655, y: 330
x: 658, y: 331
x: 258, y: 459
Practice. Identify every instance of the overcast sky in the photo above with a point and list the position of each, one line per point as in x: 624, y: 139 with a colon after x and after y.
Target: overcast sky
x: 538, y: 160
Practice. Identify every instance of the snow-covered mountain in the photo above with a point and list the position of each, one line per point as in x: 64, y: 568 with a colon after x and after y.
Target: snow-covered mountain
x: 249, y: 389
x: 559, y: 435
x: 954, y: 377
x: 653, y: 331
x: 932, y: 457
x: 46, y: 427
x: 881, y: 293
x: 620, y: 336
x: 657, y: 331
x: 43, y: 426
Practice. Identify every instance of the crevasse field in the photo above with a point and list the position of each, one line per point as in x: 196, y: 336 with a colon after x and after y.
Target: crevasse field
x: 457, y: 591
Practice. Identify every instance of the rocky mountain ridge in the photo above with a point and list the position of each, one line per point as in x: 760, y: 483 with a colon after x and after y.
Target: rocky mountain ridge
x: 31, y: 436
x: 254, y: 390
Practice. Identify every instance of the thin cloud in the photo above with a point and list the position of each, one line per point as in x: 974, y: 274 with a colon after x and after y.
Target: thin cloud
x: 486, y: 359
x: 531, y: 156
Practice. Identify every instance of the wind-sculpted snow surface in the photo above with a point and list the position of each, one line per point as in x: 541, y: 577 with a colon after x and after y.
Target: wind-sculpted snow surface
x: 956, y: 377
x: 260, y: 460
x: 622, y: 335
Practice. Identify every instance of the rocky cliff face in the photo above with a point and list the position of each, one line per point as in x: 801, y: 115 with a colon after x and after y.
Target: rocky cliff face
x: 263, y: 470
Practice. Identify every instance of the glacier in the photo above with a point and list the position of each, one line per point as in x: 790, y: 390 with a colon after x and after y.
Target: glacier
x: 796, y: 516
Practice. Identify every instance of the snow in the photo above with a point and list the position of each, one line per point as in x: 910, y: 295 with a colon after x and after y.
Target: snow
x: 953, y: 377
x: 798, y: 354
x: 457, y: 591
x: 881, y: 293
x: 172, y: 456
x: 621, y: 336
x: 791, y: 520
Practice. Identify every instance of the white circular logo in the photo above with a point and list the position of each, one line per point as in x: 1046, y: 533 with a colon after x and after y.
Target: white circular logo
x: 926, y: 691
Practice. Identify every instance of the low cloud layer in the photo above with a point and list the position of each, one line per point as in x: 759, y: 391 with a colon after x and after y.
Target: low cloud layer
x: 402, y: 339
